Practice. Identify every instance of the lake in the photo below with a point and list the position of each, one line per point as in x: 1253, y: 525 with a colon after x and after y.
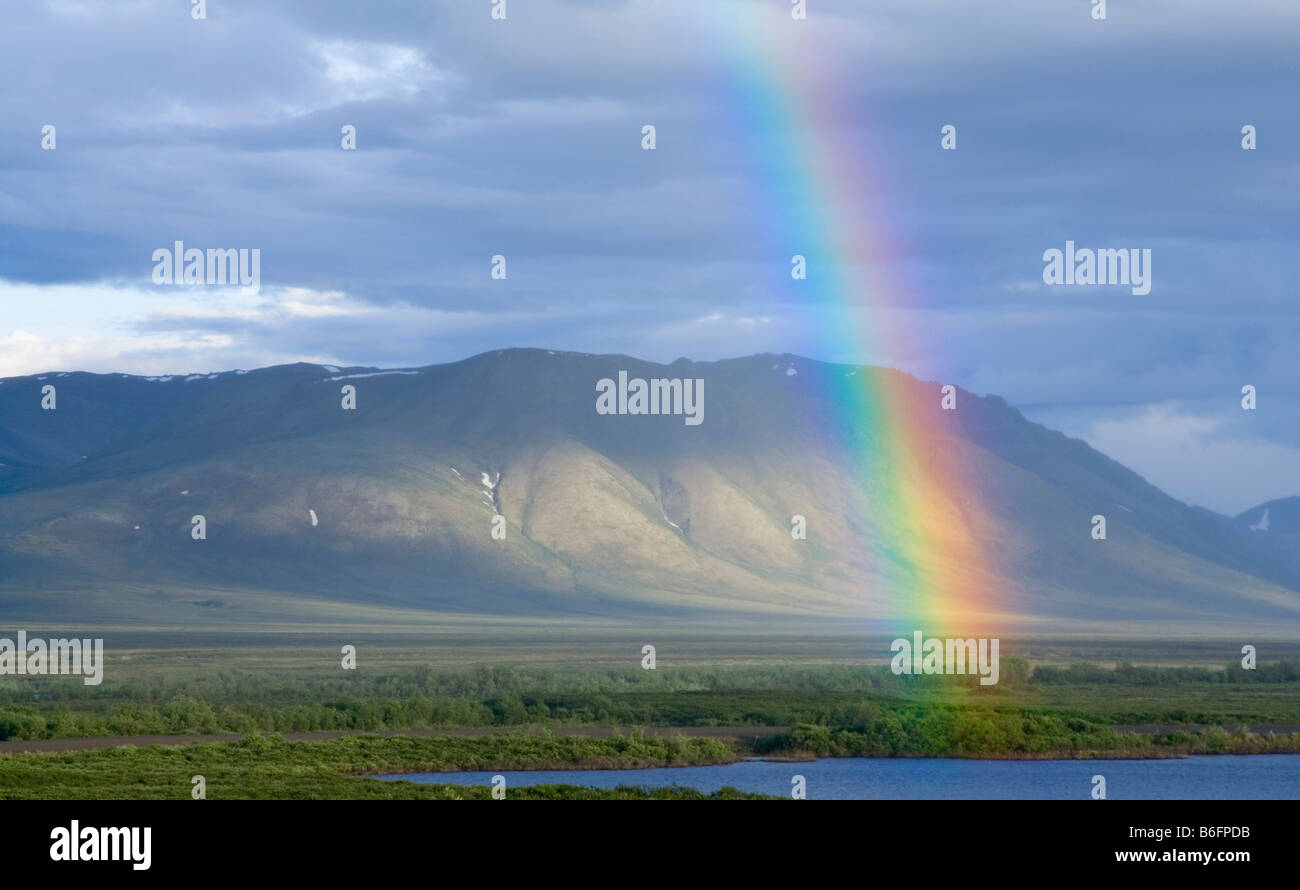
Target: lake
x: 1227, y: 777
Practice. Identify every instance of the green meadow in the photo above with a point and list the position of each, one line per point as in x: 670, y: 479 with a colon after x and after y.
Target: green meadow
x: 258, y: 767
x: 796, y: 698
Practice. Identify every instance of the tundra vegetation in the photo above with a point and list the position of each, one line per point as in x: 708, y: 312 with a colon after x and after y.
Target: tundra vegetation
x: 261, y: 767
x: 1083, y: 698
x: 1037, y: 710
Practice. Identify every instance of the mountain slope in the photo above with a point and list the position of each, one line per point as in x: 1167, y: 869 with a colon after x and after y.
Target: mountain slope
x: 606, y: 517
x: 1273, y: 529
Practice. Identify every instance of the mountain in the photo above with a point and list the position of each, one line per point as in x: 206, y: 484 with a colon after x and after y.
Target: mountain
x: 386, y: 512
x: 1273, y: 529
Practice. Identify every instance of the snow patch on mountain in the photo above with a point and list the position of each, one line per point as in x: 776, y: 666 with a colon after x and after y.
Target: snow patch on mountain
x: 371, y: 374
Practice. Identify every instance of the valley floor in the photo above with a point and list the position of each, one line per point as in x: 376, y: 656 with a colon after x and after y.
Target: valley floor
x: 263, y: 768
x: 277, y: 716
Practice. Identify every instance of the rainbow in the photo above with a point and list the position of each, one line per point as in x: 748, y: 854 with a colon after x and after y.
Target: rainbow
x: 814, y: 193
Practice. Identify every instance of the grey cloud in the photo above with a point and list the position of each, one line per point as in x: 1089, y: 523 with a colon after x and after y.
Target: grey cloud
x: 522, y: 138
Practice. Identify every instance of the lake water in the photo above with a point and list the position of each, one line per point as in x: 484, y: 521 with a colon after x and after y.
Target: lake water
x: 1228, y: 777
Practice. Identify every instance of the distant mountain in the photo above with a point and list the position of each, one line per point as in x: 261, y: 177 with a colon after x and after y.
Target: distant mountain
x: 1273, y: 529
x: 316, y: 512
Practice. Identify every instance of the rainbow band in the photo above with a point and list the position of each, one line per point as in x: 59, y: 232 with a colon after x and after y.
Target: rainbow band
x: 916, y: 485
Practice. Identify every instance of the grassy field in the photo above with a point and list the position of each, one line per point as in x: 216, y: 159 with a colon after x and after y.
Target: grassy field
x: 146, y: 692
x: 262, y: 767
x: 1060, y: 697
x: 135, y: 653
x: 271, y: 768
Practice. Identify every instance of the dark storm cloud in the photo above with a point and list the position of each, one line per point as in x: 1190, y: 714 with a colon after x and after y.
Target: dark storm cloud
x: 522, y: 138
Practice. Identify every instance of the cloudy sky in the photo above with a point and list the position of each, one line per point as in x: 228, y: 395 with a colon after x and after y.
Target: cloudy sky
x: 523, y: 137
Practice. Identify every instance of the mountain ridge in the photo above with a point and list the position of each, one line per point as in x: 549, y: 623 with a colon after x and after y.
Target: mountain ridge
x: 605, y: 516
